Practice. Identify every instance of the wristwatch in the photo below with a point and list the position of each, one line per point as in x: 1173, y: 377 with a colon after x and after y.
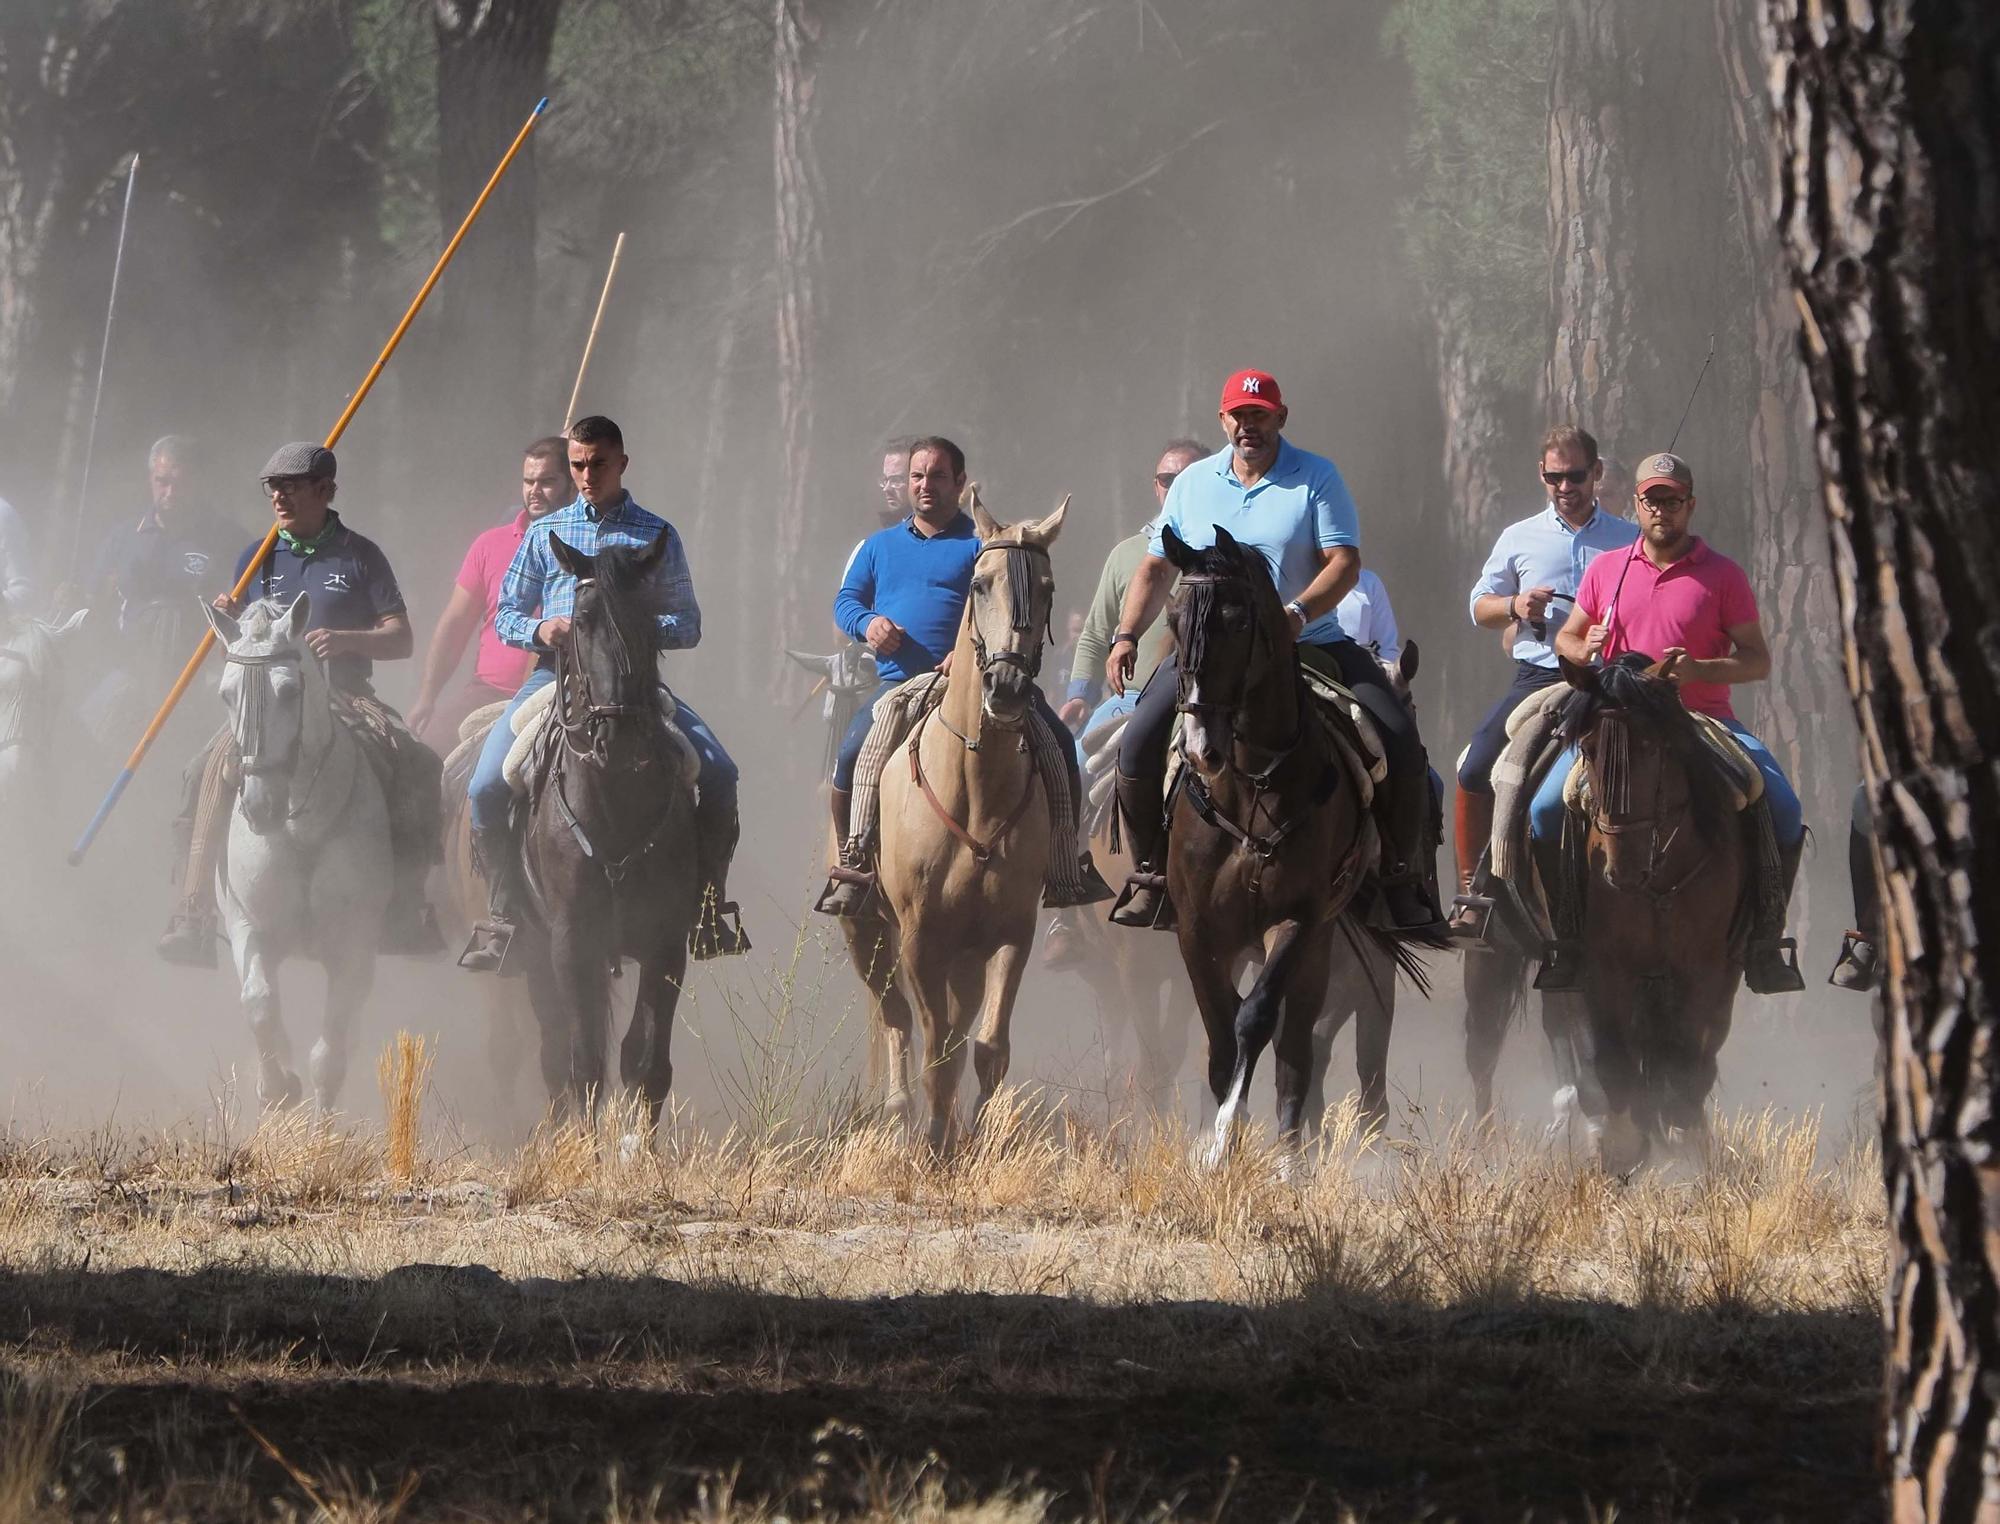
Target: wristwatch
x: 1296, y: 607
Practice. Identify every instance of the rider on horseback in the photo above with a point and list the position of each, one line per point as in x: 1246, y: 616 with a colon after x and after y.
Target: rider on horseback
x: 904, y: 593
x: 356, y: 617
x: 534, y: 615
x: 1671, y: 593
x: 1536, y: 563
x: 1294, y: 508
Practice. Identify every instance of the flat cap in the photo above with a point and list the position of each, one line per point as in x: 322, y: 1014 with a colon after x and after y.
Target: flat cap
x: 300, y: 458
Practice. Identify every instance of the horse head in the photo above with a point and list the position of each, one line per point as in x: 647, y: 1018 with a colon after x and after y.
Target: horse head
x: 269, y: 682
x: 1008, y: 606
x: 1227, y: 623
x: 612, y: 631
x: 1648, y: 767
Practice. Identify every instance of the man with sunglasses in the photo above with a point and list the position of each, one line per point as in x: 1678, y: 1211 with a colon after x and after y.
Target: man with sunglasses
x: 356, y: 618
x: 1671, y: 594
x: 1532, y: 574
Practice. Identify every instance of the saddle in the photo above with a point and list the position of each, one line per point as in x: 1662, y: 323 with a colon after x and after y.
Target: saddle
x: 527, y: 758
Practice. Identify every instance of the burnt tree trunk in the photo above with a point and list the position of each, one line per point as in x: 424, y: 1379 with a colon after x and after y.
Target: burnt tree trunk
x: 1890, y: 209
x: 492, y: 66
x: 800, y: 192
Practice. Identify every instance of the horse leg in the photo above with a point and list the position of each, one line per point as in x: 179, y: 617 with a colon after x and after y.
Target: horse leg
x: 1617, y: 1009
x: 552, y: 1025
x: 1216, y: 998
x: 991, y: 1039
x: 1692, y: 1040
x: 646, y: 1057
x: 871, y: 946
x: 1374, y: 1019
x: 1285, y: 945
x: 1299, y: 1001
x: 584, y: 998
x: 350, y: 975
x: 929, y: 985
x: 1492, y: 995
x: 1326, y: 1031
x: 277, y: 1082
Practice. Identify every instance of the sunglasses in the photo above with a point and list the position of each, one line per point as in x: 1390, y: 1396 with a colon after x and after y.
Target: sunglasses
x: 1567, y: 478
x: 1164, y: 479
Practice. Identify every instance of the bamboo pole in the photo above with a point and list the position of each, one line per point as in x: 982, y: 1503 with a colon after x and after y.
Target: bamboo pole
x: 603, y: 298
x: 207, y: 642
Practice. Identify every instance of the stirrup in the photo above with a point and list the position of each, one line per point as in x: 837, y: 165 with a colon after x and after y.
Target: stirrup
x: 490, y: 949
x: 1159, y: 916
x: 719, y: 933
x: 835, y: 901
x: 1470, y: 920
x: 1560, y: 970
x: 1859, y: 966
x: 1776, y: 966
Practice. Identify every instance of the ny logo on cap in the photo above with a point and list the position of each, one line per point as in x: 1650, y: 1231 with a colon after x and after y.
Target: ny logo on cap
x: 1252, y: 383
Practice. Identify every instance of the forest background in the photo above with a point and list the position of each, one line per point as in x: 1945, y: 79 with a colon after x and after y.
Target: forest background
x: 1047, y: 228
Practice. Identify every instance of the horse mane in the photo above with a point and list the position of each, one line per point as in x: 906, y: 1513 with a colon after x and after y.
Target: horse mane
x: 1231, y: 562
x: 1625, y: 685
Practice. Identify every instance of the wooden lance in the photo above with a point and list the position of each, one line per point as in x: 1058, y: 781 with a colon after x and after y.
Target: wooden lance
x: 590, y: 343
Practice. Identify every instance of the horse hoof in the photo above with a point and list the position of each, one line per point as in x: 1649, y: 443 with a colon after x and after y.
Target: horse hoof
x: 1292, y: 1169
x: 287, y: 1096
x: 630, y: 1146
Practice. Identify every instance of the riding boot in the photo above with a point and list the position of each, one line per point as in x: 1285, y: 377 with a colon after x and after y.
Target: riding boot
x: 189, y: 939
x: 409, y: 925
x: 1144, y: 902
x: 1062, y: 947
x: 1770, y: 964
x: 1406, y: 891
x: 718, y: 930
x: 1859, y: 965
x: 1472, y: 829
x: 499, y: 860
x: 1562, y: 959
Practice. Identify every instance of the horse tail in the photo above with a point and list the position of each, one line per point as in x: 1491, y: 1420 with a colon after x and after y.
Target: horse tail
x: 1399, y: 950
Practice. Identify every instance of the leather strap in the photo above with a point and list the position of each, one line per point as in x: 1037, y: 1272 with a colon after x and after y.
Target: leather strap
x: 981, y: 852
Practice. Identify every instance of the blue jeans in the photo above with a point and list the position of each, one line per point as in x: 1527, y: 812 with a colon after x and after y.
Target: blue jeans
x: 1475, y: 773
x: 1788, y: 822
x: 490, y: 796
x: 856, y: 734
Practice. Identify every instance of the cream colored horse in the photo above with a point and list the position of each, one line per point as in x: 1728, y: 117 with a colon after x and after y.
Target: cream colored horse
x: 965, y: 829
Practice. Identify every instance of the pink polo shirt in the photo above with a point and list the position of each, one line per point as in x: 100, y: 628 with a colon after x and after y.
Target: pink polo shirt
x: 1692, y: 603
x: 500, y: 665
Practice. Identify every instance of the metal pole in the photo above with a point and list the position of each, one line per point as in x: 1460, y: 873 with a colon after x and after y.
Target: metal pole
x: 207, y: 641
x: 103, y: 359
x: 604, y: 296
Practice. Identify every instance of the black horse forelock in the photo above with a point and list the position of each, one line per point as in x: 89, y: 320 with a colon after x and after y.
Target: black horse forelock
x: 1198, y: 609
x: 1020, y: 587
x: 1624, y: 686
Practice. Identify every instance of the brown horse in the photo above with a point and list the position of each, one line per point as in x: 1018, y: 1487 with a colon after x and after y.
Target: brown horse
x: 965, y: 829
x: 1268, y: 836
x: 1664, y: 876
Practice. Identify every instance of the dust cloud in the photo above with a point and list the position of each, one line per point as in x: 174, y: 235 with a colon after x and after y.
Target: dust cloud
x: 1060, y: 335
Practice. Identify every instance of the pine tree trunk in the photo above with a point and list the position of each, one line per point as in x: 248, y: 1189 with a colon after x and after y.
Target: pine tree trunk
x: 1482, y: 434
x: 800, y: 191
x: 493, y: 65
x: 1890, y: 208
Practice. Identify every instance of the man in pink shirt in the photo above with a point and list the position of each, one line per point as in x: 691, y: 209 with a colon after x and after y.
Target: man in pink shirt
x: 499, y: 669
x: 1671, y: 593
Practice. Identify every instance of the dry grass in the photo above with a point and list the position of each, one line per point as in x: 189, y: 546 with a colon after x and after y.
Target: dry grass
x: 1131, y: 1324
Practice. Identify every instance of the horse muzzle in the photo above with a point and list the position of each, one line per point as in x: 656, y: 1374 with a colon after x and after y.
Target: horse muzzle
x: 1008, y: 691
x: 1206, y: 737
x: 266, y: 797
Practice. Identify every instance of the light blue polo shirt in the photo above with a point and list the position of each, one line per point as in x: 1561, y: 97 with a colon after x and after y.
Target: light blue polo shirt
x: 1299, y: 508
x: 1545, y: 552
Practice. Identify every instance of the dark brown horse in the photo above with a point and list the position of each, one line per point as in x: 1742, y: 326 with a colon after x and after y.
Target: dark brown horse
x: 1663, y: 875
x: 1266, y: 843
x: 609, y: 839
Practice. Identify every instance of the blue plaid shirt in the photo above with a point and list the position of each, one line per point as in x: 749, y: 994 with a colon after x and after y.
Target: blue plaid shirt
x: 536, y: 588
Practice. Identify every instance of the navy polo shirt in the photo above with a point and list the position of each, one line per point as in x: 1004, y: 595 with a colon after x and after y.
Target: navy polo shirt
x: 352, y: 587
x: 171, y: 561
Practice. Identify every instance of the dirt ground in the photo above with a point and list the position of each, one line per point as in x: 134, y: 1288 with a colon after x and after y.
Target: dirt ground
x: 1060, y: 1324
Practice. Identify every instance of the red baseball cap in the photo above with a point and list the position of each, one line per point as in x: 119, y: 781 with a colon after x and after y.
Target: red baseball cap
x: 1251, y: 388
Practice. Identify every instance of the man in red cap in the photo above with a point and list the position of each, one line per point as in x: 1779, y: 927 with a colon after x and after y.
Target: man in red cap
x: 1293, y: 507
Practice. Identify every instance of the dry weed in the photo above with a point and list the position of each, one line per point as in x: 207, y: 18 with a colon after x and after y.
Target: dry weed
x: 403, y: 1073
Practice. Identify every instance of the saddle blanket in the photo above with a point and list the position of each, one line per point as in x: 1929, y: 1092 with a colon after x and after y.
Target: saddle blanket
x: 529, y: 721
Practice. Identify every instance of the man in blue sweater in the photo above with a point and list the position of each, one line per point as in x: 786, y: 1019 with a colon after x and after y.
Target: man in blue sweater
x: 904, y: 594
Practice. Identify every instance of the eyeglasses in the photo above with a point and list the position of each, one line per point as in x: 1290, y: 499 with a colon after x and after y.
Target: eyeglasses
x: 1164, y: 479
x: 285, y: 486
x: 1569, y: 478
x: 1663, y: 504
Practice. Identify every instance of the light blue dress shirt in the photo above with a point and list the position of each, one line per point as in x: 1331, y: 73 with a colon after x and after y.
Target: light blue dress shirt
x: 1299, y: 508
x: 1544, y: 551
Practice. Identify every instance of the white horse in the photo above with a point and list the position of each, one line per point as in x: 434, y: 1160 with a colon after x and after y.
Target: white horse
x: 308, y: 865
x: 28, y: 689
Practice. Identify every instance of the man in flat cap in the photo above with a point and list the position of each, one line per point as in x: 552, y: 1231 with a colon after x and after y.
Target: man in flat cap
x: 356, y: 618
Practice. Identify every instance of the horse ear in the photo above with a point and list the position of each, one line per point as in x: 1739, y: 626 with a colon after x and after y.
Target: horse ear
x: 651, y: 556
x: 1406, y: 663
x: 1577, y: 675
x: 1178, y: 554
x: 294, y: 627
x: 812, y: 661
x: 1044, y: 531
x: 223, y: 623
x: 1227, y: 543
x: 569, y: 558
x: 982, y: 521
x: 62, y: 627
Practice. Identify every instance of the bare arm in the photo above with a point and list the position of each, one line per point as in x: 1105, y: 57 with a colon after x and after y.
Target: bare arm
x: 1339, y: 570
x: 389, y: 640
x: 448, y: 642
x: 1143, y: 601
x: 1579, y: 639
x: 1495, y: 611
x: 1750, y: 662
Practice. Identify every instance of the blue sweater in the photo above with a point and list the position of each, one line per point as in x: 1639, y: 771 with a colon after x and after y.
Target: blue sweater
x: 915, y: 580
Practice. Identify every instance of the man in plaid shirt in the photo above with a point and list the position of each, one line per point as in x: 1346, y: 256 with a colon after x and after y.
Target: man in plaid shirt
x: 537, y: 598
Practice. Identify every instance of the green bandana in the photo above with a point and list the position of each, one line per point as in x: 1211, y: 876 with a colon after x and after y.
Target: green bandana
x: 306, y: 549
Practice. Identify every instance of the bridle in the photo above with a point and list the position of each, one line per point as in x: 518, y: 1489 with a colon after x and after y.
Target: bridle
x: 1021, y: 583
x: 1611, y: 794
x: 250, y: 723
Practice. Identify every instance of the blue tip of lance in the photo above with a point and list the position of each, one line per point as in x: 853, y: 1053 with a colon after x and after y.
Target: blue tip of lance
x: 97, y: 821
x: 541, y: 106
